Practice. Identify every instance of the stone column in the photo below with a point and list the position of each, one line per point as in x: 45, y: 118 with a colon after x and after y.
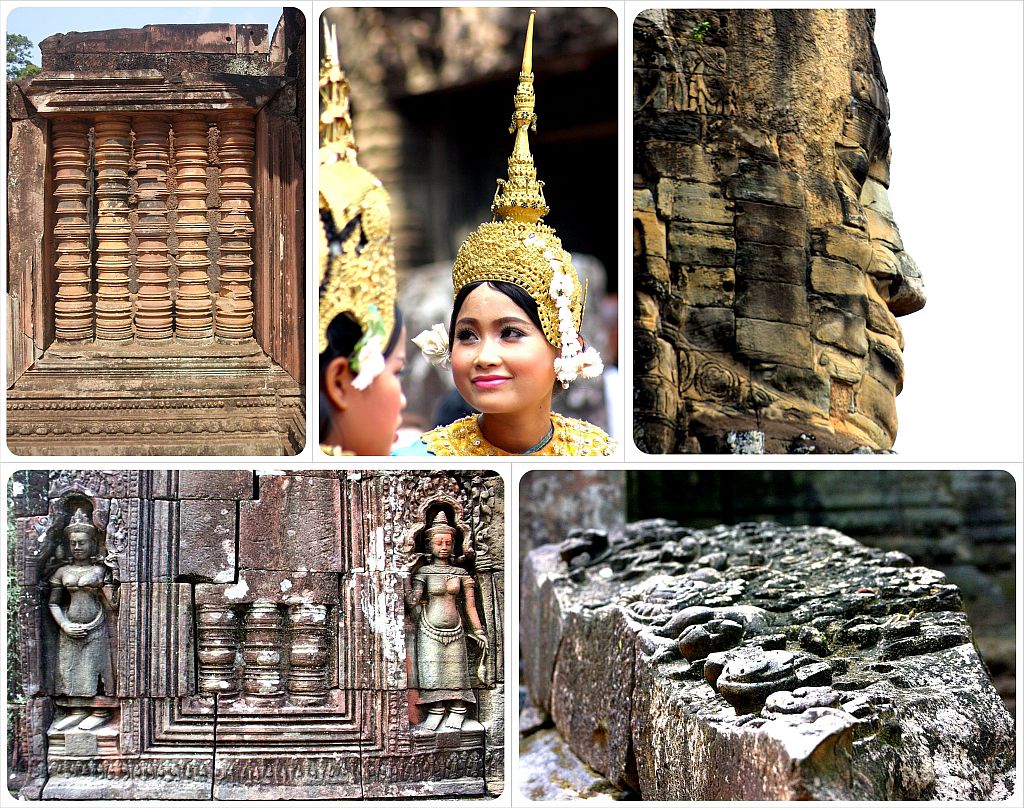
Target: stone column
x: 73, y: 309
x: 113, y: 299
x: 262, y: 654
x: 194, y: 304
x: 237, y: 151
x: 307, y: 682
x: 217, y: 626
x: 154, y: 317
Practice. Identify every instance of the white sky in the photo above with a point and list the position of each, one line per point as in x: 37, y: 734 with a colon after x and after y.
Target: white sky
x: 955, y: 72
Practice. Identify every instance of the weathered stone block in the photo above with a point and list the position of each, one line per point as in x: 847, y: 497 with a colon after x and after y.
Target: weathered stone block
x: 764, y: 300
x: 701, y: 245
x: 682, y: 161
x: 770, y: 224
x: 902, y: 708
x: 710, y: 328
x: 769, y: 262
x: 875, y: 400
x: 807, y: 383
x: 207, y: 530
x: 597, y: 718
x: 885, y: 362
x: 643, y: 200
x: 880, y: 319
x: 842, y: 329
x: 289, y: 506
x: 830, y: 277
x: 29, y: 493
x: 756, y: 181
x: 203, y: 484
x: 645, y: 312
x: 764, y: 341
x: 653, y: 242
x: 693, y: 202
x: 844, y: 243
x: 675, y: 126
x: 710, y: 286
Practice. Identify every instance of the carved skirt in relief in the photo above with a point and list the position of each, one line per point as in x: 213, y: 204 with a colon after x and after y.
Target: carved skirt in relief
x: 442, y: 665
x: 83, y: 662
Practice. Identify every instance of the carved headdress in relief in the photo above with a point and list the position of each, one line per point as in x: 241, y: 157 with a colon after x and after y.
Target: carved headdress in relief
x: 357, y: 259
x: 80, y: 522
x: 518, y: 248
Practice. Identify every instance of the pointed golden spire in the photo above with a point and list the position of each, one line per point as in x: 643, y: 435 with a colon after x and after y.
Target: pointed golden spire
x: 520, y: 198
x: 336, y: 139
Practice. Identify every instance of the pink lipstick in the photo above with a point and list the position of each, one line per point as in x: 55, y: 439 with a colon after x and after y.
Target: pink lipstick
x: 489, y: 382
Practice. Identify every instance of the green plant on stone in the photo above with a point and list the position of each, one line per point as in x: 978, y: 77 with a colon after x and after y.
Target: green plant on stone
x: 699, y: 31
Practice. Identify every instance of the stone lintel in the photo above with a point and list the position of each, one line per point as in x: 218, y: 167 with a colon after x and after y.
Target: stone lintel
x: 149, y: 91
x: 186, y: 38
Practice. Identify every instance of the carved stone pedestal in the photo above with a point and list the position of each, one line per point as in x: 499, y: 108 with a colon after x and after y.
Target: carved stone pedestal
x: 233, y: 400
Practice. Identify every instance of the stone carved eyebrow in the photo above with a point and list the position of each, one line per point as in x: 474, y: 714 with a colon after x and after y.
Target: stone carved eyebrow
x: 867, y: 115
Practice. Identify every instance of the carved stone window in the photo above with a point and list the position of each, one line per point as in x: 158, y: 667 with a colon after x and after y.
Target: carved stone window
x: 156, y: 259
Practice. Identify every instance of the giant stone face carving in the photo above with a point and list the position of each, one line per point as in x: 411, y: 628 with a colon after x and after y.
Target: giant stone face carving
x: 769, y: 271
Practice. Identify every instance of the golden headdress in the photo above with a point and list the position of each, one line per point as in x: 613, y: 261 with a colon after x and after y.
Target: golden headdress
x: 517, y: 247
x: 357, y: 259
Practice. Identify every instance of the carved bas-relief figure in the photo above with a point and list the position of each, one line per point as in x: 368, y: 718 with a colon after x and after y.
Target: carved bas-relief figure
x: 769, y: 271
x: 83, y: 591
x: 241, y: 635
x: 440, y: 672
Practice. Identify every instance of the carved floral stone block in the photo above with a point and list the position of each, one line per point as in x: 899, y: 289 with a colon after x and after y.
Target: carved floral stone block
x: 760, y: 662
x: 249, y: 636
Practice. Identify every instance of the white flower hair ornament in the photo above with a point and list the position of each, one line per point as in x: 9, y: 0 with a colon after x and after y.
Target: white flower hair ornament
x: 434, y: 344
x: 367, y: 360
x: 574, y: 362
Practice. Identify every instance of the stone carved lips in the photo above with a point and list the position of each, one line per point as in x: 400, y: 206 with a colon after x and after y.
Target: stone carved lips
x: 799, y: 651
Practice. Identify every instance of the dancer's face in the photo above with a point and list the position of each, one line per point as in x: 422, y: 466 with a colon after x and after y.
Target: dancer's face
x: 501, y: 361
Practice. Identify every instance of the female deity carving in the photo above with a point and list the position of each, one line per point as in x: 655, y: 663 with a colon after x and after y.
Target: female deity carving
x: 441, y: 670
x: 80, y: 597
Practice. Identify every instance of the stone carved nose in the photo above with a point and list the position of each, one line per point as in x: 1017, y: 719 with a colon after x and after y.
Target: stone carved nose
x: 895, y: 272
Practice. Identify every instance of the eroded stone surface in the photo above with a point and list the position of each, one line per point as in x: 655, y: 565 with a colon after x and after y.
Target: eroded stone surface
x: 761, y: 662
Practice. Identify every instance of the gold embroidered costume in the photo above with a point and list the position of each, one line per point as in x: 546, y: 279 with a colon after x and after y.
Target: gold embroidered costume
x: 571, y: 438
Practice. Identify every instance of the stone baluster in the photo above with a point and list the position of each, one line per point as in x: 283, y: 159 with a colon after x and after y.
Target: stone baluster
x: 194, y: 303
x: 73, y: 308
x: 261, y: 651
x: 307, y: 681
x: 154, y: 316
x: 217, y: 642
x: 234, y: 315
x: 113, y: 298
